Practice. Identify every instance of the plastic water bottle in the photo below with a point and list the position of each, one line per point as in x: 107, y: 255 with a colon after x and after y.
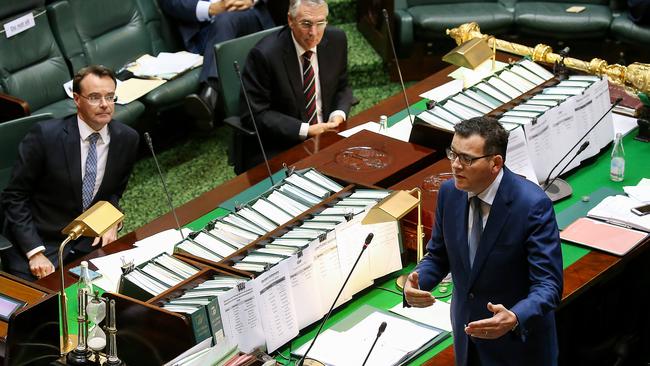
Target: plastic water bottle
x: 617, y: 167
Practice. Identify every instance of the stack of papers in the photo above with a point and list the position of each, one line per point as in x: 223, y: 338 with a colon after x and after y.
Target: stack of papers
x: 166, y: 65
x: 616, y: 210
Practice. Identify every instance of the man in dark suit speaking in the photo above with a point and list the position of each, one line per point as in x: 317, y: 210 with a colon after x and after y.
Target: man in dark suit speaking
x: 297, y: 78
x: 64, y: 166
x: 496, y: 232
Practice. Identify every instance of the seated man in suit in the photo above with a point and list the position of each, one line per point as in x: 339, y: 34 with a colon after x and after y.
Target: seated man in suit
x: 297, y: 79
x: 203, y: 24
x: 64, y: 166
x: 496, y: 233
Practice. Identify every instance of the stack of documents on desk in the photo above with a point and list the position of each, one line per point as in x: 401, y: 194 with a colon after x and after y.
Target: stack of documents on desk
x: 616, y: 210
x: 166, y: 65
x: 402, y: 340
x: 155, y: 276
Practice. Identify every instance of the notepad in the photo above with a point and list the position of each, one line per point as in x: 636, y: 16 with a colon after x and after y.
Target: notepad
x: 600, y: 235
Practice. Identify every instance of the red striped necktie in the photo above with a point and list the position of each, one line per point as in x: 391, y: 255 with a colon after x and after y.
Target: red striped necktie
x: 309, y: 88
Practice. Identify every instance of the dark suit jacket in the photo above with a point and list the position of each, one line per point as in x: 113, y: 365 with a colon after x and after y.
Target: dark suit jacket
x: 44, y: 193
x: 274, y: 84
x: 518, y: 264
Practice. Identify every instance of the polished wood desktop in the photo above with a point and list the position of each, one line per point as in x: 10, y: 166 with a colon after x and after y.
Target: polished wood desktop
x: 578, y: 277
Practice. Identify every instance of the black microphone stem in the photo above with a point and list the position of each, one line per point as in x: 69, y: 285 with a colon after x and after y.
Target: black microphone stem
x: 162, y: 179
x: 399, y: 70
x: 582, y: 148
x: 616, y: 102
x: 363, y: 249
x: 250, y: 111
x: 382, y: 328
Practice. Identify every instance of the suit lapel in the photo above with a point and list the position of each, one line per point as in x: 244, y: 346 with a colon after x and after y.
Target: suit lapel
x: 324, y: 73
x: 293, y: 71
x: 499, y: 213
x: 72, y: 150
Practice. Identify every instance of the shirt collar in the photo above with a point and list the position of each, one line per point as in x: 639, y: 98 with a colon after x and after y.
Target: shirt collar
x: 490, y: 192
x: 299, y: 49
x: 85, y: 131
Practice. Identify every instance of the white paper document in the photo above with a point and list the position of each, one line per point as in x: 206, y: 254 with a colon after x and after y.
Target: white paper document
x: 328, y: 270
x: 640, y: 192
x: 616, y: 209
x: 241, y: 317
x: 444, y: 91
x: 518, y: 159
x: 437, y: 315
x: 276, y: 306
x: 350, y: 238
x: 351, y: 347
x: 306, y: 286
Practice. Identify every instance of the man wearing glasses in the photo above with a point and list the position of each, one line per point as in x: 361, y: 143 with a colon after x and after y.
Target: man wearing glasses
x: 297, y: 79
x: 496, y: 233
x: 64, y: 166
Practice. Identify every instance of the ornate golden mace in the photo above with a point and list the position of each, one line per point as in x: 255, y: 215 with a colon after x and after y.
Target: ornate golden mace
x: 634, y: 77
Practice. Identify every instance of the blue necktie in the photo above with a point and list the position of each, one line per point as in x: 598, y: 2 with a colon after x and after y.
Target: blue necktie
x: 90, y: 174
x: 477, y: 228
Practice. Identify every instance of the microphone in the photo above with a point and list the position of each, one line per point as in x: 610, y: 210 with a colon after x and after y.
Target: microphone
x: 162, y: 179
x: 363, y: 249
x: 562, y: 188
x: 582, y: 148
x: 250, y: 111
x: 399, y: 70
x: 382, y: 328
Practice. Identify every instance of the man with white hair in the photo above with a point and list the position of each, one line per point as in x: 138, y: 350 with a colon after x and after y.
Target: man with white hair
x: 297, y: 79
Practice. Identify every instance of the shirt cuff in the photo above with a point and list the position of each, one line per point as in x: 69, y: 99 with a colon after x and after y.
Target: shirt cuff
x: 35, y: 251
x: 304, y: 130
x: 203, y: 10
x: 337, y: 112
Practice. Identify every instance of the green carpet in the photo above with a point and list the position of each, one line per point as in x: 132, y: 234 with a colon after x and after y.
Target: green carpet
x: 197, y: 163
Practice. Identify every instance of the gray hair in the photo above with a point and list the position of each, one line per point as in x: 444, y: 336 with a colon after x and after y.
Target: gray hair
x: 295, y: 4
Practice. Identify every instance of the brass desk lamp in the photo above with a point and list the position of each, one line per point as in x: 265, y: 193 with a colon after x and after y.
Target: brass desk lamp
x: 94, y: 222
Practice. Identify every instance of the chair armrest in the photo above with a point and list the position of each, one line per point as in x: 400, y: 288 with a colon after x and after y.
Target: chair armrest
x: 235, y: 122
x: 4, y: 243
x: 403, y: 32
x: 12, y: 107
x: 508, y: 4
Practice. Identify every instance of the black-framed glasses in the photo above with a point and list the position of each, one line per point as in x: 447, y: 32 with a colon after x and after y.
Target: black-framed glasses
x: 307, y: 24
x: 96, y: 99
x: 464, y: 159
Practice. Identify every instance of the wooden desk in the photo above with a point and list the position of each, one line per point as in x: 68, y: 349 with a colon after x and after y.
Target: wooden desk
x: 587, y: 272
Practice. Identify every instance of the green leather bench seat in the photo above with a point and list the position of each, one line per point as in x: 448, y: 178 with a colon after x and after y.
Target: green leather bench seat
x: 174, y: 90
x: 626, y: 31
x: 550, y: 20
x: 431, y: 21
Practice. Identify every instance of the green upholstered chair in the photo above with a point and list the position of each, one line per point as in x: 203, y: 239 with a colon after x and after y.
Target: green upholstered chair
x: 549, y: 19
x: 125, y: 30
x: 11, y: 134
x: 427, y: 20
x: 33, y: 68
x: 226, y: 53
x: 626, y: 31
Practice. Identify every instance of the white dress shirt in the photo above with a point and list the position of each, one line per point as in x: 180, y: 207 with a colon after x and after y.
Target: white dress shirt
x: 102, y: 155
x: 304, y: 127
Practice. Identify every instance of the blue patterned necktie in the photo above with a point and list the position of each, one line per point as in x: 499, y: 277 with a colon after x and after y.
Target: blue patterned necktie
x: 90, y: 174
x: 309, y: 88
x: 477, y: 228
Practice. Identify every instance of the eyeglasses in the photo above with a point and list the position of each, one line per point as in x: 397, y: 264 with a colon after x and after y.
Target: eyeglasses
x: 96, y: 99
x: 466, y: 160
x: 306, y: 24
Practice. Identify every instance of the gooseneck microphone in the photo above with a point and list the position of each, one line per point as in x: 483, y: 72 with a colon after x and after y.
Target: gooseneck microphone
x: 563, y: 189
x: 380, y: 331
x: 322, y: 323
x: 250, y: 111
x: 399, y: 70
x: 162, y: 180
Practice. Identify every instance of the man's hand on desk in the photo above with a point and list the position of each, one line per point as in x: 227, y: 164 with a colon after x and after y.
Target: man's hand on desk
x: 237, y: 5
x: 499, y: 324
x: 40, y: 266
x: 318, y: 128
x: 414, y: 296
x: 108, y: 237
